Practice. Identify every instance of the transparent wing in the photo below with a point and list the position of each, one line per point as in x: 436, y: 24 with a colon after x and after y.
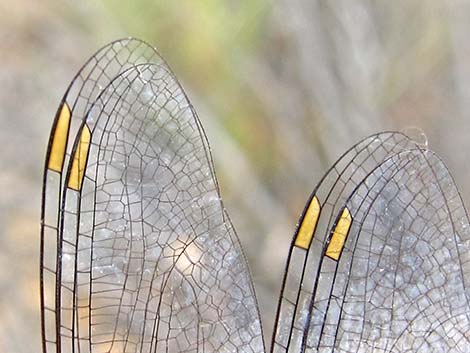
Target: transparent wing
x: 390, y: 270
x: 149, y: 259
x: 85, y: 87
x: 316, y: 220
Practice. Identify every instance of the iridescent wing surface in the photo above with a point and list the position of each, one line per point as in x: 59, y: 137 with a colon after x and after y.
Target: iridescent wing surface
x: 138, y: 253
x: 380, y: 259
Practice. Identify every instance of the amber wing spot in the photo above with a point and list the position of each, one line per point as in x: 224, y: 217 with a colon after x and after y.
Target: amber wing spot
x: 340, y: 233
x: 309, y: 223
x: 59, y: 141
x: 80, y: 160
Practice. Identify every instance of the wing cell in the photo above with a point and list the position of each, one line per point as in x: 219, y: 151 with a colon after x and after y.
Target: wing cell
x: 59, y: 139
x: 308, y: 225
x: 339, y: 235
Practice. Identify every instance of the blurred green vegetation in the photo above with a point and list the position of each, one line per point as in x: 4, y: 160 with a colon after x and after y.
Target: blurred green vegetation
x: 207, y: 40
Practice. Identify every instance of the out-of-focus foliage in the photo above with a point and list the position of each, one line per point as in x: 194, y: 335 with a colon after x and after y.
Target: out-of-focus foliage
x: 282, y: 88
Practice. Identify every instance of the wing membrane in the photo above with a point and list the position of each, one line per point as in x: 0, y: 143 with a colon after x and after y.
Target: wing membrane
x: 398, y: 281
x: 303, y: 264
x: 97, y: 72
x: 150, y: 261
x: 401, y: 284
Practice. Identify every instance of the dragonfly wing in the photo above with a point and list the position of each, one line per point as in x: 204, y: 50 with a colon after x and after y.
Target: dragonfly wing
x: 85, y: 87
x: 315, y: 222
x: 150, y: 260
x: 392, y: 274
x: 400, y: 283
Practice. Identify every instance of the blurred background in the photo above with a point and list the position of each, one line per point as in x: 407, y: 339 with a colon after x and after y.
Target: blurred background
x: 283, y: 87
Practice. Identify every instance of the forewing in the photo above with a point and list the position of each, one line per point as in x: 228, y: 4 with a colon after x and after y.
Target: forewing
x: 393, y: 269
x: 319, y: 215
x: 85, y: 87
x: 400, y: 283
x: 156, y: 265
